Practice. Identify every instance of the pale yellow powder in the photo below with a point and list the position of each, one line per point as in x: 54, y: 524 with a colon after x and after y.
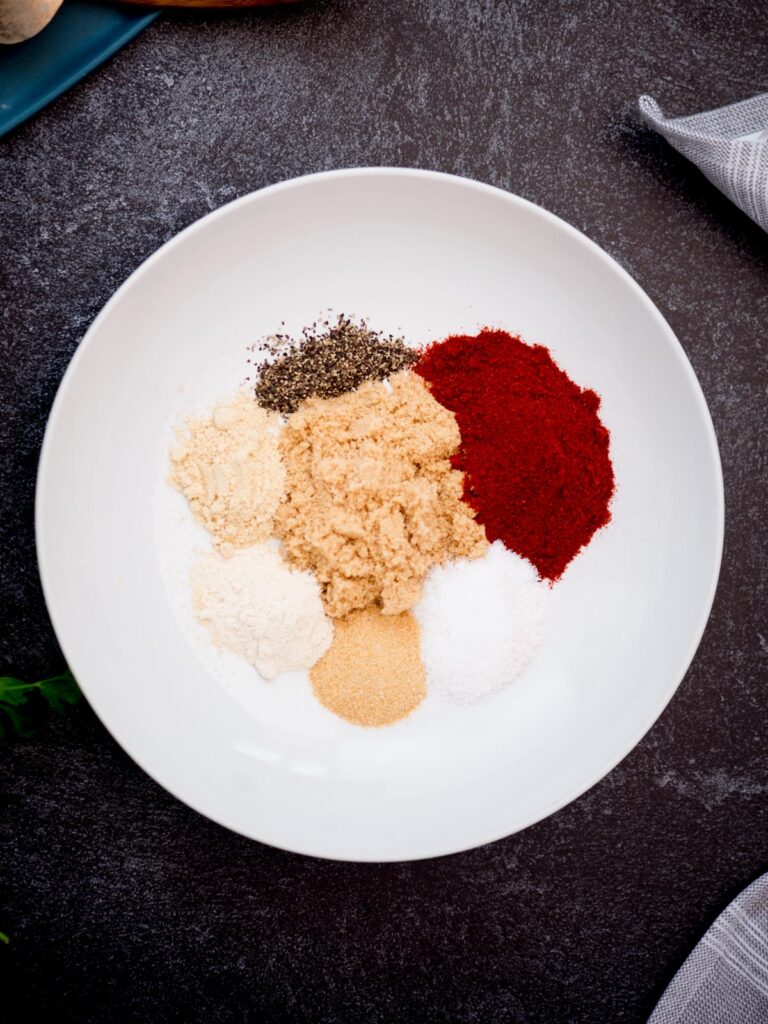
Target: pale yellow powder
x: 372, y: 674
x: 372, y: 502
x: 228, y: 467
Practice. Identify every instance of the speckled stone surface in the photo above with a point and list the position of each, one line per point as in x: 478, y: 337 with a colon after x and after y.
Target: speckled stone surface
x: 122, y: 904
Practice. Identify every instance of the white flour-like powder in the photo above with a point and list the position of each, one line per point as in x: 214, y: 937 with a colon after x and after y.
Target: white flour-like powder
x: 481, y: 623
x: 258, y: 607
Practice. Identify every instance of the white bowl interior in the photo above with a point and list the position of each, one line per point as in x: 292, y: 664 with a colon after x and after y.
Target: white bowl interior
x: 429, y: 255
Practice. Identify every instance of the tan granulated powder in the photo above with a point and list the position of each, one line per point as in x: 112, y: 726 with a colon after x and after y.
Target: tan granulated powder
x: 228, y: 467
x: 372, y: 502
x: 372, y: 673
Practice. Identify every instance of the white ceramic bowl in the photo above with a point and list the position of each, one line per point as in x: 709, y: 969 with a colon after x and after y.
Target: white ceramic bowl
x: 429, y: 254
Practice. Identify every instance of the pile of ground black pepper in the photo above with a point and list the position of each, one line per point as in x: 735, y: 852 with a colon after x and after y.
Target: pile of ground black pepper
x: 326, y: 361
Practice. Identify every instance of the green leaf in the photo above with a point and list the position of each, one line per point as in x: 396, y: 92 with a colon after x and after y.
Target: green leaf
x: 15, y: 691
x: 20, y: 701
x: 19, y: 723
x: 4, y: 938
x: 60, y: 691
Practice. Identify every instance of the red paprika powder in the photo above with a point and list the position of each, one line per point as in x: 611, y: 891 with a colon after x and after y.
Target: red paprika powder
x: 534, y: 452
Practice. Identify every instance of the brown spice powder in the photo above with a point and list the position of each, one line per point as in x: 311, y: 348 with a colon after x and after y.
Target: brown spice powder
x: 372, y: 674
x: 372, y: 502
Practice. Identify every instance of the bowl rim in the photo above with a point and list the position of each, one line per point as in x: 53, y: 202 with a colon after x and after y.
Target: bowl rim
x: 146, y: 266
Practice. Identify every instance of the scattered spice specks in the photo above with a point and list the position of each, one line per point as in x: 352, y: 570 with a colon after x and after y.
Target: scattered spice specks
x: 329, y: 359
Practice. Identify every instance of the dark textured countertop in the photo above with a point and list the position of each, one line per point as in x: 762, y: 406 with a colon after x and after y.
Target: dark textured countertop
x: 122, y: 904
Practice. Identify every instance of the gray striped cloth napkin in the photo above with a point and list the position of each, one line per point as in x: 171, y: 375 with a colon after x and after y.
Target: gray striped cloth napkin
x: 725, y: 979
x: 730, y: 145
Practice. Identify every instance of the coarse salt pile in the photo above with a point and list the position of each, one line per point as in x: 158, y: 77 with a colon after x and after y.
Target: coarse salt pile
x: 481, y: 623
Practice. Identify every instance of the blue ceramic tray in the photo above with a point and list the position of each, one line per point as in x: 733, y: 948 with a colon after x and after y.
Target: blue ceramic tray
x: 81, y: 36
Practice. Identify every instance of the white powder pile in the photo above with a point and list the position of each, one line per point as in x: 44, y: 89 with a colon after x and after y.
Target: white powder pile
x: 258, y: 607
x: 481, y: 624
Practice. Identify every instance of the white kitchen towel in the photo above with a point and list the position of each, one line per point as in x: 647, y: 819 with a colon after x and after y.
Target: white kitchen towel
x: 730, y: 145
x: 725, y: 979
